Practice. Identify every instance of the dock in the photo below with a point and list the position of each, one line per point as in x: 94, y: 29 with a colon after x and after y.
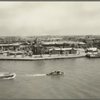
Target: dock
x: 41, y: 57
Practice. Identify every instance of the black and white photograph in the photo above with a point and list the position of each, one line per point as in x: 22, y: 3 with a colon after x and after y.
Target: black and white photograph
x: 49, y: 50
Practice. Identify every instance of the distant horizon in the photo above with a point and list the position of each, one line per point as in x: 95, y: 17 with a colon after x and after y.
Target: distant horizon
x: 48, y: 35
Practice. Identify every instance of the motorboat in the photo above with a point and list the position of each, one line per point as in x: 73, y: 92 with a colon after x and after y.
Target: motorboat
x: 7, y: 75
x: 55, y: 73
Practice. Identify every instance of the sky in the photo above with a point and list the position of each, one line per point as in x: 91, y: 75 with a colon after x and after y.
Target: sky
x: 23, y: 18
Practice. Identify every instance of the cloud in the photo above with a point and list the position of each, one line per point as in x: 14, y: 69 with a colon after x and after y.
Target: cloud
x: 43, y: 18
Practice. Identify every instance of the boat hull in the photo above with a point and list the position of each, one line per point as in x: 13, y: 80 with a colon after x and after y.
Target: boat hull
x: 93, y: 56
x: 7, y: 76
x: 55, y: 74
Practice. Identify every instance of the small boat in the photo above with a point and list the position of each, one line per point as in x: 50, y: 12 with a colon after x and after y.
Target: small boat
x: 93, y: 55
x: 7, y: 75
x: 55, y: 73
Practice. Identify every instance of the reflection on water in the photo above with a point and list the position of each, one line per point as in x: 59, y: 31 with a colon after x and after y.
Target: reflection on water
x: 80, y: 81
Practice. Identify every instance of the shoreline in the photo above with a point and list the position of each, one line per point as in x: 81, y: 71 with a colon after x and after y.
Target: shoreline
x: 43, y: 57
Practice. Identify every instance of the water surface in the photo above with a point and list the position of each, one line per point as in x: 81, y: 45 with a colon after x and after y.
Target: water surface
x: 81, y: 79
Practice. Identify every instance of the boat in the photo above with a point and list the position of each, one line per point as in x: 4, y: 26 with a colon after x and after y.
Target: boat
x: 55, y: 73
x: 93, y: 55
x: 7, y: 75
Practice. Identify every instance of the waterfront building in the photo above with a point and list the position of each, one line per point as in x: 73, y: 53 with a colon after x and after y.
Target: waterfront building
x: 64, y: 51
x: 63, y: 44
x: 13, y: 46
x: 38, y: 47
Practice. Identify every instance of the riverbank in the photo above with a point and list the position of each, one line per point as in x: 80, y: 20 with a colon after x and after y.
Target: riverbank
x: 41, y: 57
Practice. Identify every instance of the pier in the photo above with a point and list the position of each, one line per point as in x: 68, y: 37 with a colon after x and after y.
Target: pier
x: 41, y: 57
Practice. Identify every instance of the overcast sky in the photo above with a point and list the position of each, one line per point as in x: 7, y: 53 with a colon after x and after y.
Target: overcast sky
x: 49, y: 18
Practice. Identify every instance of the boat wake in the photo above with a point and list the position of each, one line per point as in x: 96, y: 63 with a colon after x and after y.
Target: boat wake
x: 35, y: 75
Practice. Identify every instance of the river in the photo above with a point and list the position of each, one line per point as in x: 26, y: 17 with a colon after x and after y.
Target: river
x: 81, y: 79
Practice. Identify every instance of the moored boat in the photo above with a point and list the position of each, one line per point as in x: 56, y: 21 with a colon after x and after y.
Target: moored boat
x: 93, y: 55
